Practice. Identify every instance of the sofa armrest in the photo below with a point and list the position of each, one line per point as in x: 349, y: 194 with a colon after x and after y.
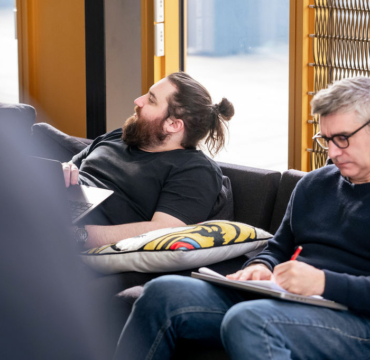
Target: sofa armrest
x: 17, y: 115
x: 254, y: 192
x: 16, y: 120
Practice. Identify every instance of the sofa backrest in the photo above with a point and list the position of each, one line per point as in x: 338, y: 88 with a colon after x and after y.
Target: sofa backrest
x: 287, y: 184
x: 260, y: 196
x: 254, y: 193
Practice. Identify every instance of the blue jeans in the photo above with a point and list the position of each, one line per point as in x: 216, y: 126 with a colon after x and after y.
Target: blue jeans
x: 173, y: 307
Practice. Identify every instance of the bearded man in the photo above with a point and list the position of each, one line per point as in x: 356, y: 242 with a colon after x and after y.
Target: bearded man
x: 328, y: 215
x: 158, y: 176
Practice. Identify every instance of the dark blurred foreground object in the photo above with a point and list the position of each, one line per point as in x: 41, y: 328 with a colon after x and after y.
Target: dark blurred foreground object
x: 46, y: 312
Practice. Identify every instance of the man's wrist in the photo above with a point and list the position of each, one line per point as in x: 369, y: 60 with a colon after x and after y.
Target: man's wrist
x: 80, y: 236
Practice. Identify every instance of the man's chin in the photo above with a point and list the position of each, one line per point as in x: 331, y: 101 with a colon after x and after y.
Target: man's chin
x: 345, y: 169
x: 131, y: 119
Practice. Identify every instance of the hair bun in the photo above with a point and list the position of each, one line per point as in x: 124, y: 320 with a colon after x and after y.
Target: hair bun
x: 225, y: 108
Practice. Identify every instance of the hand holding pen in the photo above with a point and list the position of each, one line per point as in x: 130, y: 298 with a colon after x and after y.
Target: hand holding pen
x: 299, y: 277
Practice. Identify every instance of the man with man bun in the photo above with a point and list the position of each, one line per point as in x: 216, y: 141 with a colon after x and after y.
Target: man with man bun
x: 159, y: 177
x: 328, y: 215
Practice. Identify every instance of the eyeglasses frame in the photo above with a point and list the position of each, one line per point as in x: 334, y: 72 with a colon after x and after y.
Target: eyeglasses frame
x: 318, y: 135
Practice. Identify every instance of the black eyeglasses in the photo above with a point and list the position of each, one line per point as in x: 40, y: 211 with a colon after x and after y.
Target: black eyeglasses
x: 340, y: 141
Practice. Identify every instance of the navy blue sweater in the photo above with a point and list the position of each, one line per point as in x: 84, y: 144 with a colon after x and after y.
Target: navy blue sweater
x: 330, y: 218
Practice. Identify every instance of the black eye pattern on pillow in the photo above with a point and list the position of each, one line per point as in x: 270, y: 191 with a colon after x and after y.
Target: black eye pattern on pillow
x: 205, y: 235
x: 176, y: 249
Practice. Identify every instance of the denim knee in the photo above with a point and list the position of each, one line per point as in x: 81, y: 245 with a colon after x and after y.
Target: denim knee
x: 243, y: 326
x: 169, y: 291
x: 237, y: 319
x: 160, y: 291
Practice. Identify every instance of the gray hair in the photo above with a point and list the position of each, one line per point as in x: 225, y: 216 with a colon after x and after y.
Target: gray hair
x: 344, y: 96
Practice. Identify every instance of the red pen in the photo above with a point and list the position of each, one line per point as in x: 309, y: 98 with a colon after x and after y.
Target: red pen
x: 296, y: 253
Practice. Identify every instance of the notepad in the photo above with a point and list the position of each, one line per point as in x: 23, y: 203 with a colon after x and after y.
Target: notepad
x: 268, y: 284
x: 265, y: 289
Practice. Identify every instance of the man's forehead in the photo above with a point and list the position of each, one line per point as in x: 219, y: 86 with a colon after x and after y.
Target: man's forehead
x: 339, y: 122
x: 162, y: 90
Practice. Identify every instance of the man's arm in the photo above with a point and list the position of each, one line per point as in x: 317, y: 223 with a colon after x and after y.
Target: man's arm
x: 104, y: 235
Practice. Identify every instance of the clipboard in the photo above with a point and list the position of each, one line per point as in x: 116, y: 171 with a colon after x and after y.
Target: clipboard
x: 266, y: 292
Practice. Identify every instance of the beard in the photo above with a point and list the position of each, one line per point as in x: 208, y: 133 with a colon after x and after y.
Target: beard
x: 142, y: 133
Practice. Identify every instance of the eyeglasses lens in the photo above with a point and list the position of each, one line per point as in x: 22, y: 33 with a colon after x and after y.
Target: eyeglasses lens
x: 341, y: 141
x: 322, y: 142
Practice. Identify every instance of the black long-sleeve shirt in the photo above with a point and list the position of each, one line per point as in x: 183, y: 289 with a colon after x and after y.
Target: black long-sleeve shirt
x: 330, y: 218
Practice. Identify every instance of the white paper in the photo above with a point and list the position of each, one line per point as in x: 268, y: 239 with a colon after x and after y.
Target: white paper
x: 268, y: 284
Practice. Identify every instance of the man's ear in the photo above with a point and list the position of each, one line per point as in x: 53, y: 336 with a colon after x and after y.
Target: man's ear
x: 173, y: 125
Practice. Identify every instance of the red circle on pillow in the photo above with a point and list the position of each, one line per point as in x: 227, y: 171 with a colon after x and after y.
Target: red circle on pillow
x: 181, y: 244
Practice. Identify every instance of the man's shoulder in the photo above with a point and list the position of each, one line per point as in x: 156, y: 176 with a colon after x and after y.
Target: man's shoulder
x: 194, y: 162
x: 328, y: 174
x: 197, y: 158
x: 117, y: 133
x: 328, y: 171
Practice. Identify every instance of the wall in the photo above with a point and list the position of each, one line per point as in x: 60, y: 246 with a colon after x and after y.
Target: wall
x: 51, y: 37
x: 123, y: 59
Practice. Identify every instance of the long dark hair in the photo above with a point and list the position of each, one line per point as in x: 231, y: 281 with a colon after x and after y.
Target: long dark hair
x: 193, y: 104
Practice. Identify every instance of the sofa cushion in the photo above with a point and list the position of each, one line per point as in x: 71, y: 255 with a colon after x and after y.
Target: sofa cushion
x: 288, y: 182
x: 224, y: 205
x: 52, y: 143
x: 175, y: 249
x: 254, y: 193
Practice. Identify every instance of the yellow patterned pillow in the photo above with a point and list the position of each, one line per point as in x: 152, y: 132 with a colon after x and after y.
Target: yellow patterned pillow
x: 180, y: 248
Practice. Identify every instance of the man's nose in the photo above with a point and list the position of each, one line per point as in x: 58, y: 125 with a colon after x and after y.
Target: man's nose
x: 334, y: 150
x: 140, y: 101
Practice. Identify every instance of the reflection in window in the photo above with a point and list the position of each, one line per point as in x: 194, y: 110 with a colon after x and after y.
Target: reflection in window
x: 9, y: 54
x: 239, y: 49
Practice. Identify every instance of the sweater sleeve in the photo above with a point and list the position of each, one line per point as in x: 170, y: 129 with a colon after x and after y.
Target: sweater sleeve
x: 281, y: 247
x: 352, y: 291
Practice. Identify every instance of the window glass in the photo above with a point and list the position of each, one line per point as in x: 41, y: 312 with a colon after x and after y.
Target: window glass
x: 8, y: 54
x: 239, y: 49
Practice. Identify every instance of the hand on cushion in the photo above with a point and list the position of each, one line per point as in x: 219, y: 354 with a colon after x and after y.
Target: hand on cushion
x: 70, y: 171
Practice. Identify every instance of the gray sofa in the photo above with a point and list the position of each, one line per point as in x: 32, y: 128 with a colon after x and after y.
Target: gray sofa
x: 260, y: 199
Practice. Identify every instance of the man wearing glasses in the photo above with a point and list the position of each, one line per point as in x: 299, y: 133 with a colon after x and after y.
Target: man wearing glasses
x: 329, y: 216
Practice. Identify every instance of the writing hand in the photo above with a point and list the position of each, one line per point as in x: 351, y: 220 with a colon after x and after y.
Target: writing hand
x: 252, y: 272
x: 300, y: 278
x: 70, y: 172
